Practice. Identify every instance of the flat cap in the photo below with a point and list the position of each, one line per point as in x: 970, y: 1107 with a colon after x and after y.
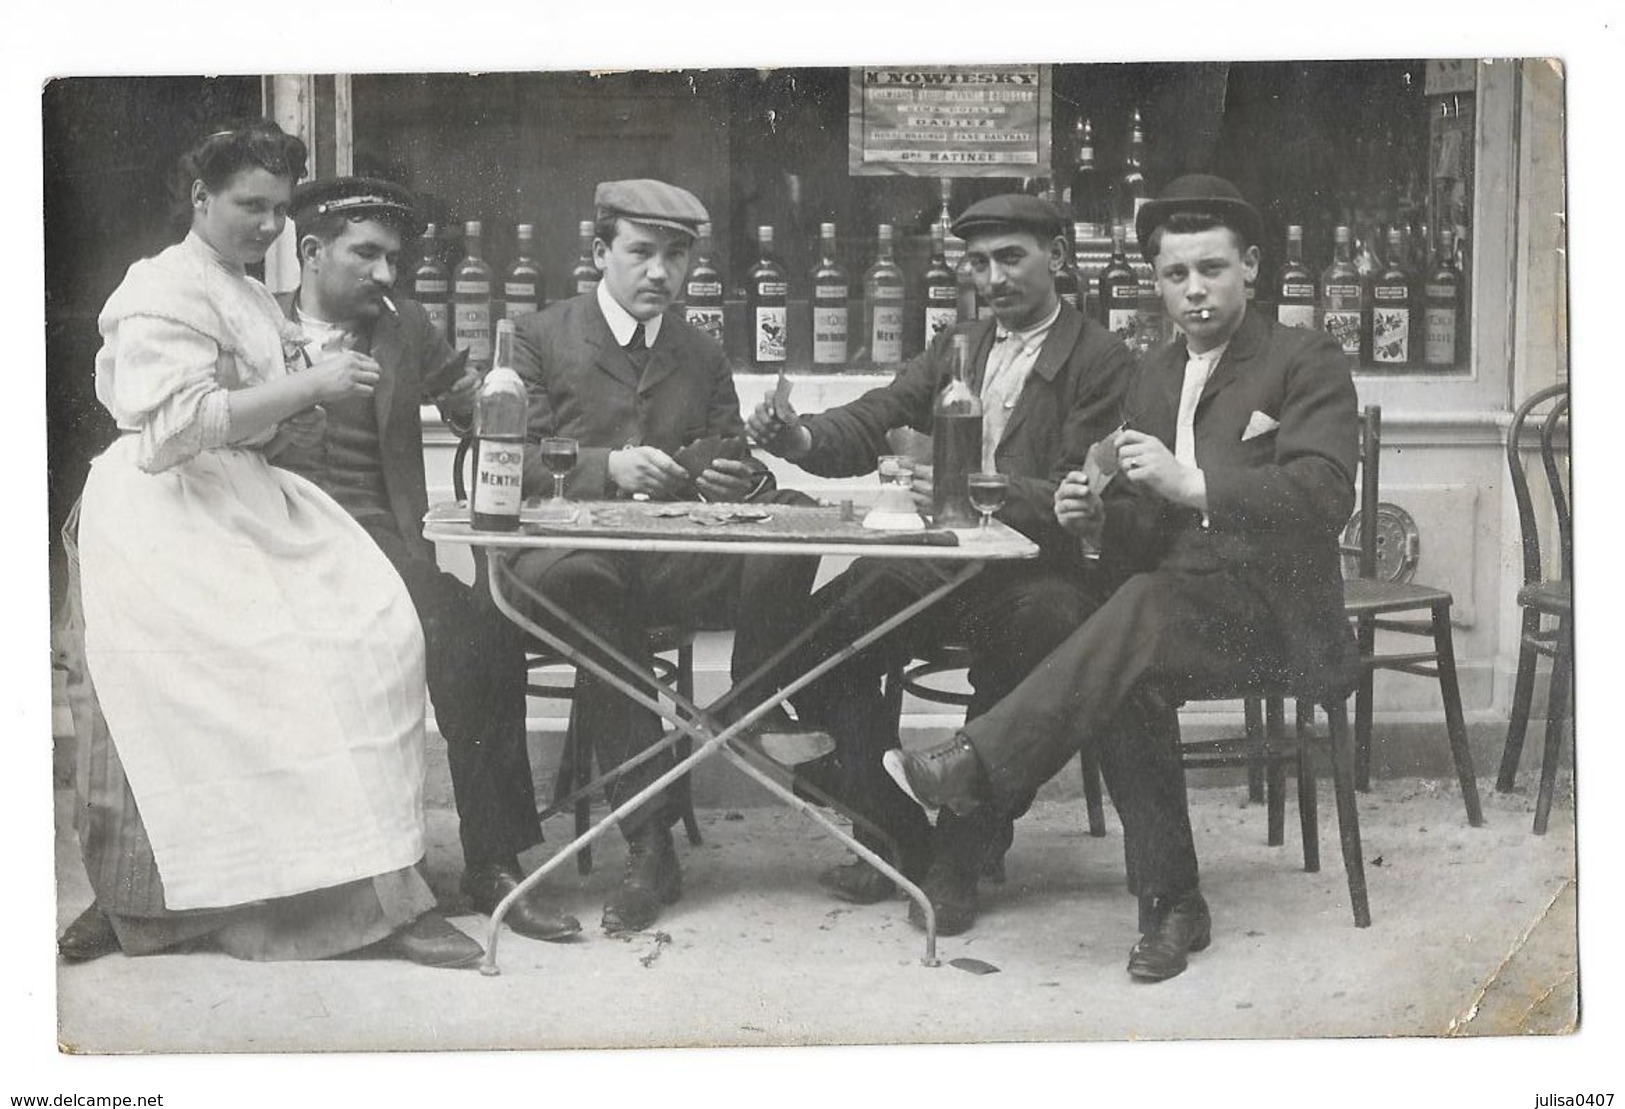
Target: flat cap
x: 644, y: 200
x: 1007, y: 212
x: 1204, y: 194
x: 358, y: 198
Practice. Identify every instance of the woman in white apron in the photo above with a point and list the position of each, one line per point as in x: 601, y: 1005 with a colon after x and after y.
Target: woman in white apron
x: 259, y: 778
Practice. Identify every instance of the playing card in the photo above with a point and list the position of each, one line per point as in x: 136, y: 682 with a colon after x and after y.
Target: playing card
x: 781, y: 400
x: 1100, y: 464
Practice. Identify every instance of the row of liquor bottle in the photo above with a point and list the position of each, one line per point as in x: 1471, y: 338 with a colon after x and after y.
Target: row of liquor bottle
x: 1387, y: 314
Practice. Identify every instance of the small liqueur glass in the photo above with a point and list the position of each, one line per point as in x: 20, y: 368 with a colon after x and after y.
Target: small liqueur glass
x: 559, y: 455
x: 987, y: 493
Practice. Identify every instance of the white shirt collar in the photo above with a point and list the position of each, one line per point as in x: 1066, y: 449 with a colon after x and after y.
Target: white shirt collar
x: 622, y: 323
x: 1031, y: 336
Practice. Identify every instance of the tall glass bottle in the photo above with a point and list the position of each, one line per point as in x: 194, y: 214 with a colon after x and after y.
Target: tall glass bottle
x: 702, y: 289
x: 1089, y: 208
x: 1342, y: 294
x: 471, y: 300
x: 829, y: 304
x: 1119, y: 289
x: 956, y: 443
x: 1132, y: 189
x: 431, y: 283
x: 953, y: 253
x: 766, y: 305
x: 584, y: 275
x: 1395, y: 327
x: 1441, y: 311
x: 941, y: 290
x: 883, y: 303
x: 522, y: 284
x: 500, y: 414
x: 1295, y: 285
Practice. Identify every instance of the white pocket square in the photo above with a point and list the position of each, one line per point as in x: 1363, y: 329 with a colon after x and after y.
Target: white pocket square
x: 1259, y: 424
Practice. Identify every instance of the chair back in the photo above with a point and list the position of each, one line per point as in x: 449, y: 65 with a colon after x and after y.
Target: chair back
x: 1364, y: 554
x: 459, y: 461
x: 1555, y: 464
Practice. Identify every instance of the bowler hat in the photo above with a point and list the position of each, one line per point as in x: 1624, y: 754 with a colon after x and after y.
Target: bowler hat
x: 644, y: 200
x: 1198, y: 193
x: 357, y: 198
x: 1010, y: 211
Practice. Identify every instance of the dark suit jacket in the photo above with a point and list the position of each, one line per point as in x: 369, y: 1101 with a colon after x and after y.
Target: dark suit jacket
x: 1277, y: 502
x: 584, y: 386
x: 1072, y: 398
x: 408, y: 350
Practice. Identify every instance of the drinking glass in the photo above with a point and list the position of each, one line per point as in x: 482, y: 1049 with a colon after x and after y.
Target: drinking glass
x: 987, y: 493
x: 559, y: 456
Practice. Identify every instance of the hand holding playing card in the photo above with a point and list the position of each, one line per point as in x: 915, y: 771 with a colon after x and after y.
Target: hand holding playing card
x: 1100, y: 464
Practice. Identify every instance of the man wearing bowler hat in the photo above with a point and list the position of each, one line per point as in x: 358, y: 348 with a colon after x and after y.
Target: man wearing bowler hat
x: 1051, y: 383
x: 370, y: 459
x: 651, y: 404
x: 1235, y: 476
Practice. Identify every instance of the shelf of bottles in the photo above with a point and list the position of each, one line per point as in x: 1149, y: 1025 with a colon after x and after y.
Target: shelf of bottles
x: 1388, y: 287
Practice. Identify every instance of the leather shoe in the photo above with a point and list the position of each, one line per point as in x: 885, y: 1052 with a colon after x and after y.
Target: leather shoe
x: 952, y: 892
x: 486, y: 884
x: 1177, y: 926
x: 432, y: 941
x: 652, y: 879
x: 858, y: 882
x: 90, y: 936
x: 948, y: 774
x: 785, y: 741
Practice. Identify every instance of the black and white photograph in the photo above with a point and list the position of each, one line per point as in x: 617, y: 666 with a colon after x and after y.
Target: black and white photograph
x: 646, y: 540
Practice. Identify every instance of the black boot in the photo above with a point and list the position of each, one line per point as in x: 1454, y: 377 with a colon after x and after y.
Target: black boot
x: 1172, y: 927
x: 652, y: 879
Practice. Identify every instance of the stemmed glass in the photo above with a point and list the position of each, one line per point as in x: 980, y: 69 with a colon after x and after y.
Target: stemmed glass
x: 987, y: 492
x: 559, y: 456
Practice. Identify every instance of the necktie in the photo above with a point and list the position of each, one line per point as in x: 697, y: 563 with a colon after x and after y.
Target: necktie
x: 637, y: 348
x: 1196, y: 375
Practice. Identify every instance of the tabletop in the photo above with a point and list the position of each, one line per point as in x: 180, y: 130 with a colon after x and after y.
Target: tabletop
x: 732, y: 529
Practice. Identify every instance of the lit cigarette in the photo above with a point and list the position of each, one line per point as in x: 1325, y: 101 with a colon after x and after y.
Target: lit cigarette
x: 390, y: 304
x: 1205, y: 314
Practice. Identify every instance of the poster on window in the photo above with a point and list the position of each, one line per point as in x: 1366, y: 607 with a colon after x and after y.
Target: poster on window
x: 950, y: 120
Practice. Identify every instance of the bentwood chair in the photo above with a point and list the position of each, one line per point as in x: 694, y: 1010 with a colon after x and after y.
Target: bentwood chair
x: 671, y: 651
x: 1542, y: 598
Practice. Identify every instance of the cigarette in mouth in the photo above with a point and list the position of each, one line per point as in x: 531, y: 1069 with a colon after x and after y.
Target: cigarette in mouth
x: 390, y: 304
x: 1205, y: 314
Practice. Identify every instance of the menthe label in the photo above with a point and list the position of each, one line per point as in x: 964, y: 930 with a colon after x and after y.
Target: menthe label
x: 499, y: 476
x: 474, y: 288
x: 886, y: 343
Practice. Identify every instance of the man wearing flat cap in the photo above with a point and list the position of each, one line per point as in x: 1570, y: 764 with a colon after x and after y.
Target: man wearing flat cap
x: 1235, y: 476
x: 370, y: 460
x: 1051, y: 383
x: 651, y: 403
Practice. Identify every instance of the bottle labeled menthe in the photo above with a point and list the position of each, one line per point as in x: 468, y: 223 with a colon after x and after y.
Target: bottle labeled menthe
x: 883, y: 304
x: 500, y: 413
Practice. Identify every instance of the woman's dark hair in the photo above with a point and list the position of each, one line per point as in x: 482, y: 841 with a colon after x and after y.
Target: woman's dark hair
x: 228, y: 147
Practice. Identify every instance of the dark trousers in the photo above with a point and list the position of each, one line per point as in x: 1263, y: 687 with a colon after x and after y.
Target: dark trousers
x: 621, y: 595
x: 475, y: 662
x: 1010, y: 616
x: 1162, y: 636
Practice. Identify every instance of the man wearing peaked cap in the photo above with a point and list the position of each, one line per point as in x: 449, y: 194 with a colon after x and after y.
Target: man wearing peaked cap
x: 1050, y: 383
x: 650, y: 400
x: 1235, y: 477
x: 350, y: 235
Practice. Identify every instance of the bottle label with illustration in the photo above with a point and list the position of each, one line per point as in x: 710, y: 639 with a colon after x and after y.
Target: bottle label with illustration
x: 1295, y: 315
x: 886, y: 340
x: 498, y: 477
x: 1343, y: 325
x: 474, y: 332
x: 829, y: 335
x: 938, y: 320
x: 708, y: 320
x: 769, y: 333
x: 1390, y: 335
x: 1439, y: 336
x: 1122, y: 322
